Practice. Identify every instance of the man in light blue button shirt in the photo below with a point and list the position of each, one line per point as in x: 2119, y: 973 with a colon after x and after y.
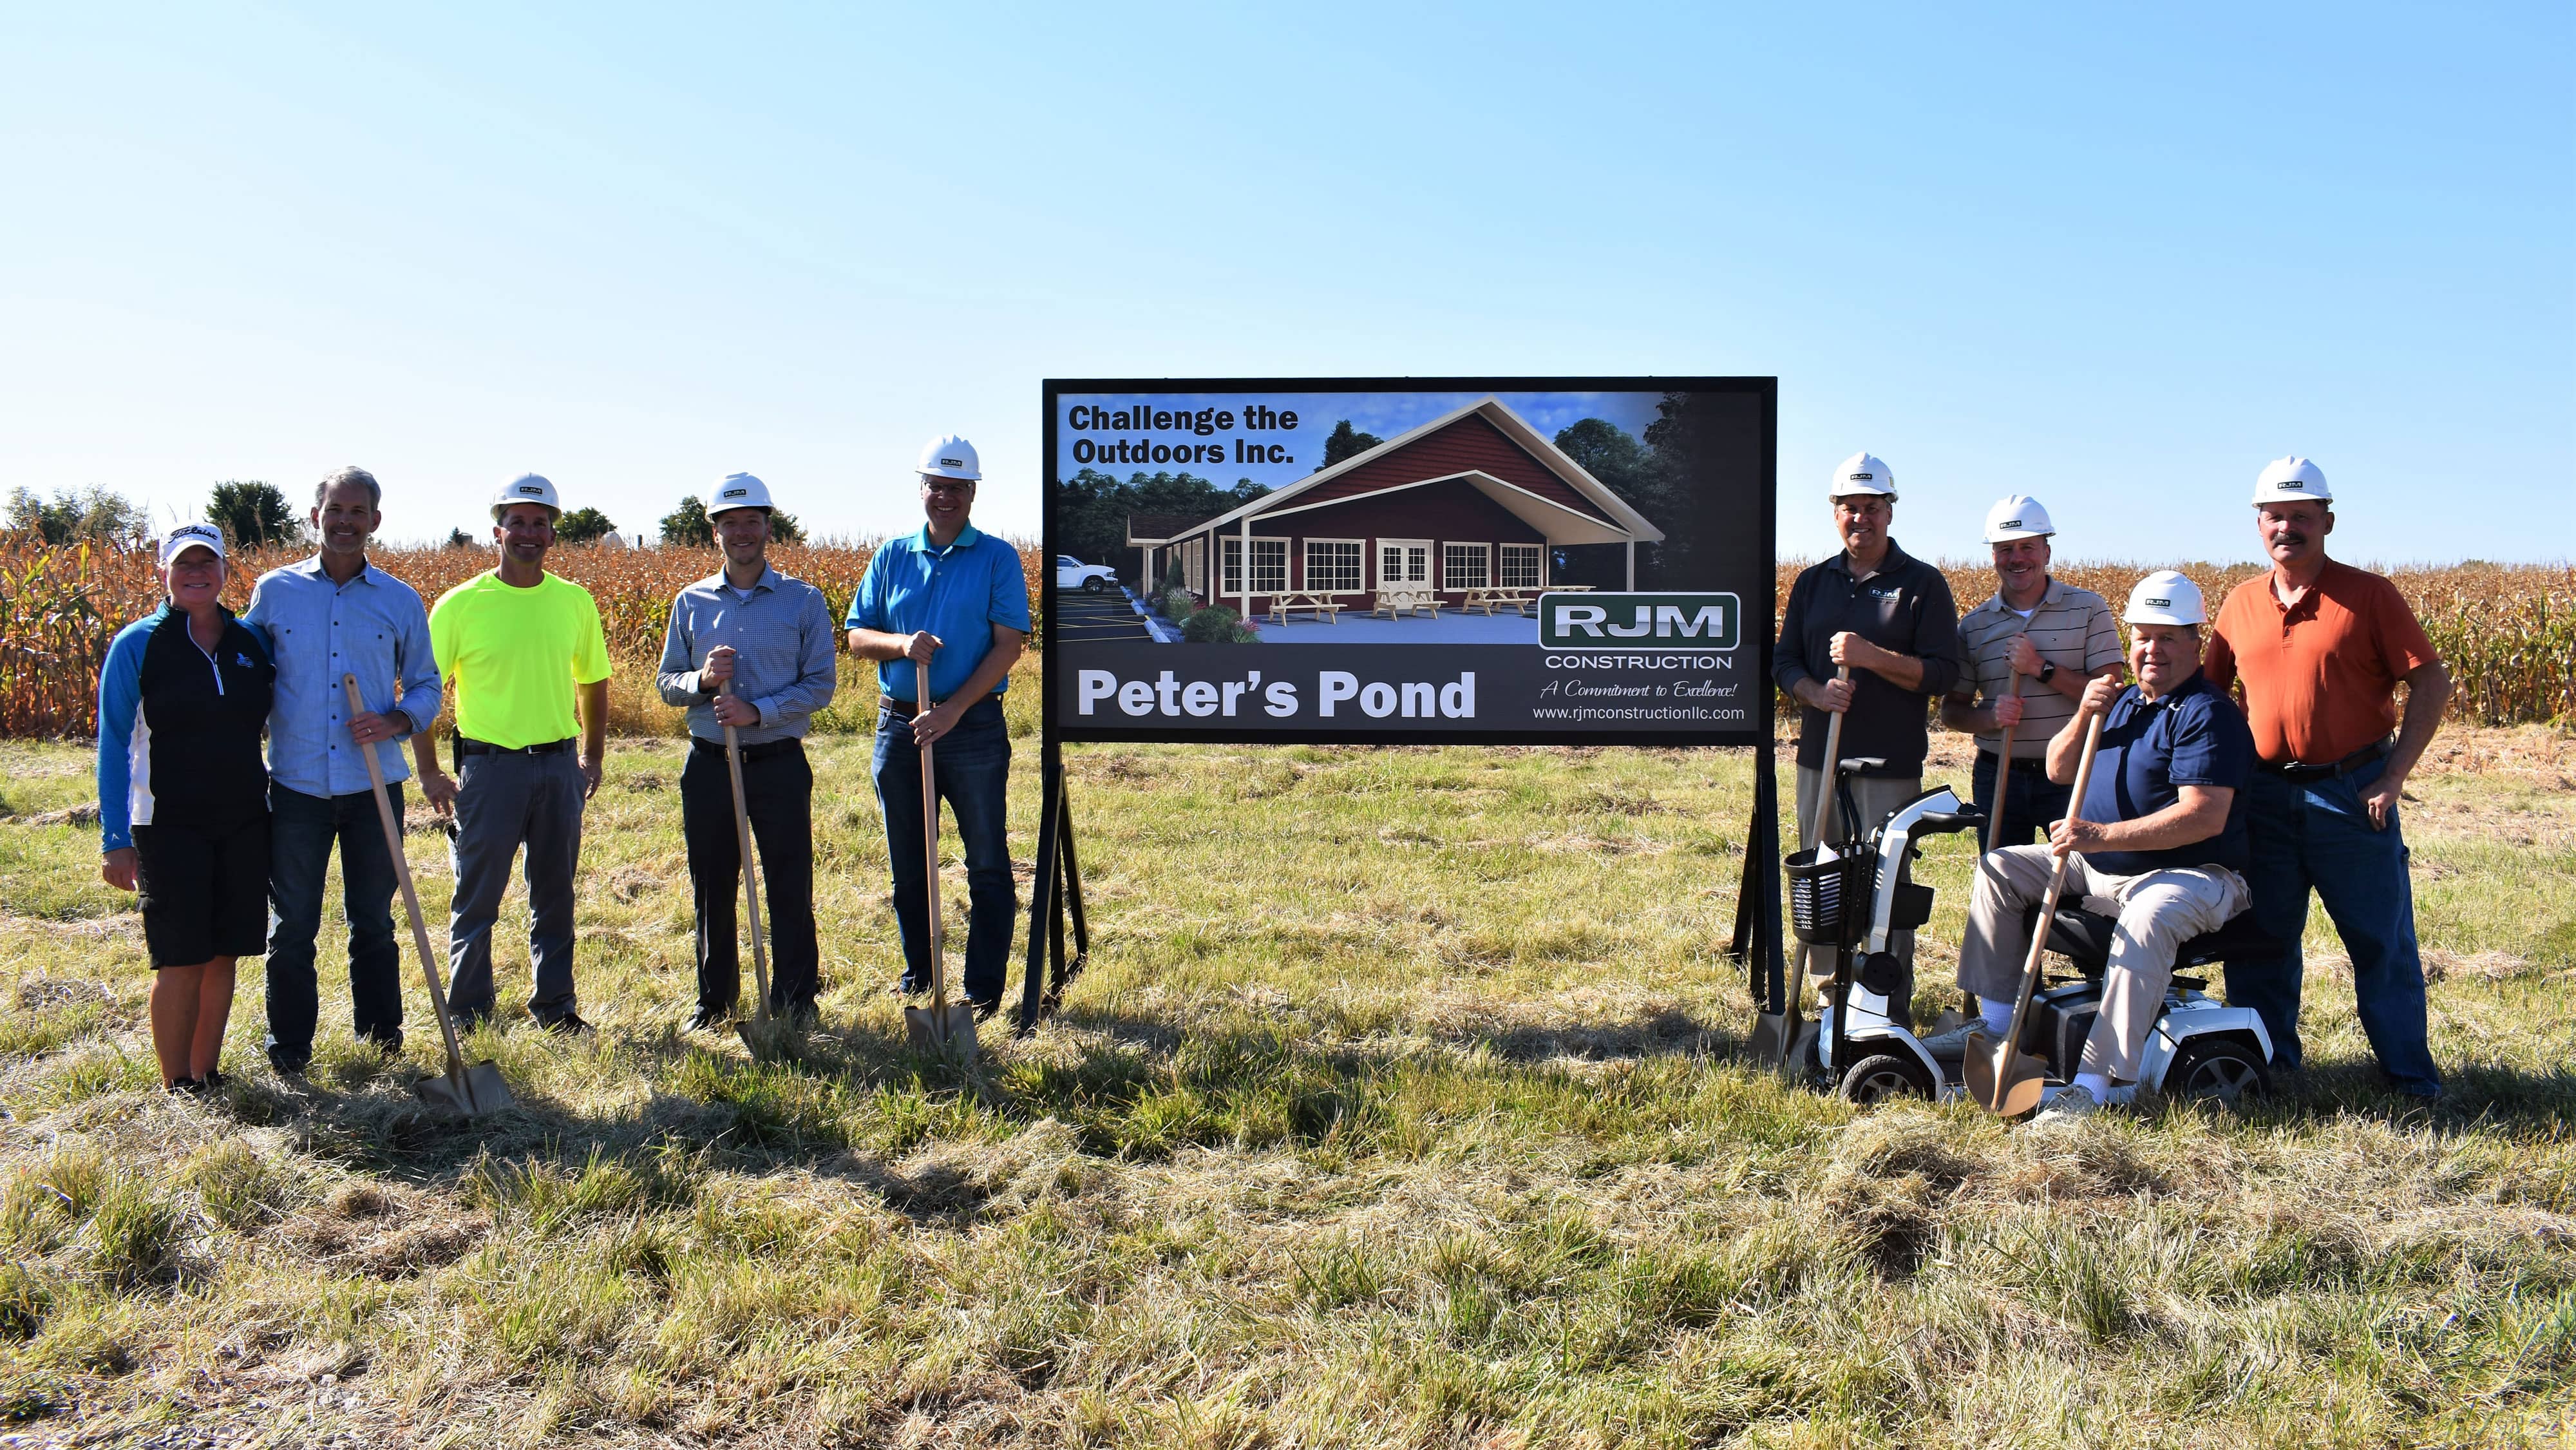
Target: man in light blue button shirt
x: 953, y: 598
x: 751, y: 648
x: 332, y: 615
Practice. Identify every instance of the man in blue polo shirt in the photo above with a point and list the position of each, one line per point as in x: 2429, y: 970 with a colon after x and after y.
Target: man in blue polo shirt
x: 953, y: 598
x: 2161, y: 833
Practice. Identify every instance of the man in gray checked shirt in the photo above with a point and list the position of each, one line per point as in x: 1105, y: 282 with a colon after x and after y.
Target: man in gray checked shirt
x: 754, y: 649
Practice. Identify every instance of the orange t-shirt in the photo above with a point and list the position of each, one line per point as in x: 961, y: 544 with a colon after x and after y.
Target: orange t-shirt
x: 2321, y: 678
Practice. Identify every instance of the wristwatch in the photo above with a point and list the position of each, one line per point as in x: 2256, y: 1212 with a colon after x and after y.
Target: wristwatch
x: 2047, y: 671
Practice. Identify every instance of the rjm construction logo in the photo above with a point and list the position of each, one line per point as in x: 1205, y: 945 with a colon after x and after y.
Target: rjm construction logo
x: 1638, y: 621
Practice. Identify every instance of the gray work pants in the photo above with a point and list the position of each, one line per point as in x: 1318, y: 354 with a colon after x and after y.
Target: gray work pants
x: 503, y: 802
x: 2158, y: 911
x: 1876, y: 797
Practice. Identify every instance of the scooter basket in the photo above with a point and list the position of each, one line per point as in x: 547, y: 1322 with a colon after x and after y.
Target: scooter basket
x: 1829, y: 900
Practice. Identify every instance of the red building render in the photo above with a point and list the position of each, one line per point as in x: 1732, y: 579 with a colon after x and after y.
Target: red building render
x: 1466, y: 501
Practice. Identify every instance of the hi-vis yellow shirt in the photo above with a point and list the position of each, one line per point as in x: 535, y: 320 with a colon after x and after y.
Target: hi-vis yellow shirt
x: 511, y: 657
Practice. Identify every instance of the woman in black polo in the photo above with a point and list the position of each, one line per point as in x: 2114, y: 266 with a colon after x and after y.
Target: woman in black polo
x: 183, y: 798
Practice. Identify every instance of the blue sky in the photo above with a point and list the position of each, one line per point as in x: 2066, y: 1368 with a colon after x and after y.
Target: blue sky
x: 2117, y: 258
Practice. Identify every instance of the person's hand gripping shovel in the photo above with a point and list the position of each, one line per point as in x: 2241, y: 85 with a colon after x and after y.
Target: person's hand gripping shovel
x: 2000, y: 1075
x: 1779, y: 1039
x: 945, y: 1027
x: 765, y: 1037
x: 468, y: 1090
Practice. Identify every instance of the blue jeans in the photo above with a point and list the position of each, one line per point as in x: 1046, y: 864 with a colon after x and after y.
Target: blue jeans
x: 2319, y: 835
x: 2029, y: 804
x: 972, y: 769
x: 505, y: 801
x: 301, y: 832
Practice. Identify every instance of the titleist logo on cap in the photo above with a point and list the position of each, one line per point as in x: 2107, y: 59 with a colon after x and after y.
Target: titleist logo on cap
x: 196, y: 531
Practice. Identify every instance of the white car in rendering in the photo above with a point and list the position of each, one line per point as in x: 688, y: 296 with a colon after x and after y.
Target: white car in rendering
x: 1072, y: 573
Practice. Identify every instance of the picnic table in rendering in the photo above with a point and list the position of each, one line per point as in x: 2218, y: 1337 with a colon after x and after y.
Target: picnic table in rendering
x: 1518, y: 600
x: 1325, y: 607
x: 1395, y: 603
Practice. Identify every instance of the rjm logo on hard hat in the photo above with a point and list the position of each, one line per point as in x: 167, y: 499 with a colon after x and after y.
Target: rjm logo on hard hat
x: 736, y: 493
x: 2160, y: 604
x: 1638, y: 621
x: 1864, y: 478
x: 2009, y: 524
x: 952, y: 463
x: 530, y: 490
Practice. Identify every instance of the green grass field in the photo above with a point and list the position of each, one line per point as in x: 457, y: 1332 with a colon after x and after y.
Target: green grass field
x: 1399, y: 1107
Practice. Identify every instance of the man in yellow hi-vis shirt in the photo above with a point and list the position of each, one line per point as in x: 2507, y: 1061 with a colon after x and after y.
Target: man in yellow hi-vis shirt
x: 515, y: 645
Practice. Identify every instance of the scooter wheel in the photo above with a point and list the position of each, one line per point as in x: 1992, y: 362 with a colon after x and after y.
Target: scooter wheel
x: 2216, y: 1069
x: 1882, y: 1077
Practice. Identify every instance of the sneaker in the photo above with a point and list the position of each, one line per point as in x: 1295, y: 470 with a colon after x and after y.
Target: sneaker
x: 1952, y: 1046
x: 566, y: 1024
x: 182, y: 1087
x: 706, y: 1017
x: 2065, y: 1105
x: 214, y: 1081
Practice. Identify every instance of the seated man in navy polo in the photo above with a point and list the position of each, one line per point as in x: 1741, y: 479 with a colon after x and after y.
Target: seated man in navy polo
x: 2160, y: 832
x: 951, y: 600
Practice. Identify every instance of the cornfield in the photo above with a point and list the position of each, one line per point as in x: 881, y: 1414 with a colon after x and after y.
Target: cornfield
x: 60, y: 606
x: 2508, y: 631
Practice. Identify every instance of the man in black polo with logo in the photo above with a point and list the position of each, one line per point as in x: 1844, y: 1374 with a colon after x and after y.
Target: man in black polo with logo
x: 1889, y: 616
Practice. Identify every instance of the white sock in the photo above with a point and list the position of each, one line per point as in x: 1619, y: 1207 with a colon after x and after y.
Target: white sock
x: 1998, y: 1016
x: 2096, y: 1083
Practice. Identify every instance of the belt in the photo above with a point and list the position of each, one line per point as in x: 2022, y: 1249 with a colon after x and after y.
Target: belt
x: 465, y: 747
x: 762, y: 751
x: 905, y: 709
x: 2303, y: 774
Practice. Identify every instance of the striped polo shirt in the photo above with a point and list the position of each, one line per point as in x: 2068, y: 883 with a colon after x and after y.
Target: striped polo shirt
x: 2072, y: 629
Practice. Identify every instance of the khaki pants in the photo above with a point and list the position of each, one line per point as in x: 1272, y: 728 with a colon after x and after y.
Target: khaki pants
x: 2158, y: 911
x: 1876, y: 797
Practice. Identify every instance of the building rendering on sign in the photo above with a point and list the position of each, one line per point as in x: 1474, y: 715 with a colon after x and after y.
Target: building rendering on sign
x: 1462, y: 508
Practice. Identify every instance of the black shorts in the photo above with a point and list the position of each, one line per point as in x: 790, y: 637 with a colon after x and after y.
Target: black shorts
x: 205, y: 892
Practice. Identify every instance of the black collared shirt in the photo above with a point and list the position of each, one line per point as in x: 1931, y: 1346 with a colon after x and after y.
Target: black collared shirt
x: 1904, y: 607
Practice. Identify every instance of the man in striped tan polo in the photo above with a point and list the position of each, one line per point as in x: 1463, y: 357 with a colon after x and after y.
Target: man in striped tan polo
x: 2057, y: 637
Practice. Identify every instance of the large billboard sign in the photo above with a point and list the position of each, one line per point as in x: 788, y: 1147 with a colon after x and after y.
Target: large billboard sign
x: 1498, y: 560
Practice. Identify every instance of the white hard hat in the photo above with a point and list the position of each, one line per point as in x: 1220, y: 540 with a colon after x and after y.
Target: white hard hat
x: 2018, y: 517
x: 738, y: 491
x: 184, y: 537
x: 950, y: 457
x: 2165, y: 597
x: 2294, y: 477
x: 1861, y: 473
x: 526, y: 488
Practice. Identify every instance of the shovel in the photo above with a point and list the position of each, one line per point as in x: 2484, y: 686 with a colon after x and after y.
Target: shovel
x: 2003, y: 777
x: 946, y: 1027
x: 2002, y: 1077
x: 764, y: 1037
x: 1780, y: 1038
x: 471, y: 1091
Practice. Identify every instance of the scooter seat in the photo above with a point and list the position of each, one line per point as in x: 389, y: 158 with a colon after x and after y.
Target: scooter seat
x: 2084, y: 938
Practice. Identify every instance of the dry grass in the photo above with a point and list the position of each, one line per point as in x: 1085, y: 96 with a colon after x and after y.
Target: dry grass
x: 1398, y: 1108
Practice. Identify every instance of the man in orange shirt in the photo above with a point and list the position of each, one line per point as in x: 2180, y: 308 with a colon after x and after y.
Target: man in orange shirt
x: 2320, y: 648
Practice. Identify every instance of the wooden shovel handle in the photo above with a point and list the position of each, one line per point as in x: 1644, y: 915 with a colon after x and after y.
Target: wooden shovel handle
x: 930, y: 852
x: 411, y: 901
x: 2003, y: 777
x: 2047, y: 913
x: 750, y: 870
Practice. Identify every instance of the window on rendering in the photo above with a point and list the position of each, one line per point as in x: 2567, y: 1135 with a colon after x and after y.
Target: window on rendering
x: 1524, y: 566
x: 1333, y: 566
x: 1463, y: 566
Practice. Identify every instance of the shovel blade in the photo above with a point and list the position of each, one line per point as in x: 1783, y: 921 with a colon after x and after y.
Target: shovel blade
x: 483, y: 1091
x: 927, y: 1032
x: 2003, y: 1079
x: 770, y: 1041
x: 1768, y: 1042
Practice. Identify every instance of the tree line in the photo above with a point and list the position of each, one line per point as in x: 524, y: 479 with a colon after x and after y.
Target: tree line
x: 253, y: 512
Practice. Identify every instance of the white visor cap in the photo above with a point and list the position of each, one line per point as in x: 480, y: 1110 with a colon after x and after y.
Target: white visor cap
x: 1861, y: 473
x: 2294, y: 477
x: 191, y: 536
x: 526, y: 488
x: 2165, y: 597
x: 949, y: 457
x: 2018, y: 517
x: 737, y: 491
